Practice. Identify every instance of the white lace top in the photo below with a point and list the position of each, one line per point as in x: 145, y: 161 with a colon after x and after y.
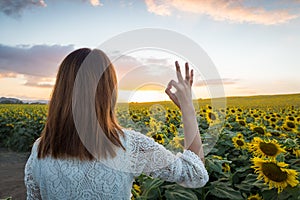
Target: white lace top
x: 50, y: 178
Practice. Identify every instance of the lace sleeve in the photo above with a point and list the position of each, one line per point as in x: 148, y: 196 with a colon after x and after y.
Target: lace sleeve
x: 33, y: 191
x: 155, y: 160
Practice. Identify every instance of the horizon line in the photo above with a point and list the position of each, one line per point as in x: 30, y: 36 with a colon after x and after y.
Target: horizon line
x: 238, y: 96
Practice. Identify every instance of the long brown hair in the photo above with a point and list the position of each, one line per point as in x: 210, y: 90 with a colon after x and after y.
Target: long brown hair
x: 60, y: 138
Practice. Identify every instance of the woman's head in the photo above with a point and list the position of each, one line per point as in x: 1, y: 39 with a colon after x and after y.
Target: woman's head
x: 81, y: 91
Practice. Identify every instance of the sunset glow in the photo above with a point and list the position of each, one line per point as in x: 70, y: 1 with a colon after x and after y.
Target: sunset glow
x: 253, y: 44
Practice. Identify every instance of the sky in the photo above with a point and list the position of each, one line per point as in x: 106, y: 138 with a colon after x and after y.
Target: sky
x: 254, y: 44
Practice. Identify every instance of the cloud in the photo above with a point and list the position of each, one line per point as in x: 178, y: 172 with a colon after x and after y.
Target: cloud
x: 235, y: 11
x: 41, y: 82
x: 8, y: 75
x: 158, y: 7
x: 14, y: 8
x: 150, y: 73
x: 143, y: 73
x: 36, y: 65
x: 124, y: 63
x: 96, y: 3
x: 38, y: 60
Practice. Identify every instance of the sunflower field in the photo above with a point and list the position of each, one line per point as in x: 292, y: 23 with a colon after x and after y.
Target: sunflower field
x: 256, y: 155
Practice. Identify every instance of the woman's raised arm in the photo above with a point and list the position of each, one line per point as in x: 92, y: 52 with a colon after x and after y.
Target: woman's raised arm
x: 183, y: 99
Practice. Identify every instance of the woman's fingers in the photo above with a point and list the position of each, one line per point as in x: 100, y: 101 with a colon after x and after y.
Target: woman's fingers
x: 172, y: 97
x: 189, y: 76
x: 178, y: 72
x: 173, y: 83
x: 181, y: 85
x: 187, y: 72
x: 192, y: 77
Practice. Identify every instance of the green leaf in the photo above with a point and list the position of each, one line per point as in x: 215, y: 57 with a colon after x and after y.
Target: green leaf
x: 151, y: 188
x: 180, y: 194
x: 213, y: 165
x: 223, y: 190
x: 270, y: 194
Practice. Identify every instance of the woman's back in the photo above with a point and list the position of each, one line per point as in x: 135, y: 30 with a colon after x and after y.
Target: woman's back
x: 50, y: 178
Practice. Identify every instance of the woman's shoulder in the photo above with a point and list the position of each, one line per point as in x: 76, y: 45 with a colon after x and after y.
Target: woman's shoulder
x: 35, y: 145
x: 135, y: 135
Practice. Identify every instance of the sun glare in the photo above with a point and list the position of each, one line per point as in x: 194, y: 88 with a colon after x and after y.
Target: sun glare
x: 147, y: 96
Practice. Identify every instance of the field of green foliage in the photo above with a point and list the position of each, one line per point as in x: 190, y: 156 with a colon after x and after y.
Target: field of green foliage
x: 255, y: 157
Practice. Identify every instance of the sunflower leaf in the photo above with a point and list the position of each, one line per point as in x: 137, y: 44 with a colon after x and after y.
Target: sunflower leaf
x: 223, y: 190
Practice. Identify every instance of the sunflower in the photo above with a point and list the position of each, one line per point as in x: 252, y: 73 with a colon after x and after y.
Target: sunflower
x: 242, y: 122
x: 239, y: 143
x: 256, y: 116
x: 273, y: 119
x: 167, y: 118
x: 233, y: 110
x: 159, y: 138
x: 222, y: 111
x: 240, y: 135
x: 154, y: 126
x: 296, y: 152
x: 258, y: 129
x: 173, y: 129
x: 225, y: 167
x: 263, y: 148
x: 289, y: 126
x: 177, y: 142
x: 211, y: 117
x: 275, y: 173
x: 254, y: 197
x: 135, y: 118
x: 137, y: 188
x: 290, y: 118
x: 275, y: 133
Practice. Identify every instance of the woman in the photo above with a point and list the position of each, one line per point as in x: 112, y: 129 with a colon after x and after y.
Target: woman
x: 61, y: 166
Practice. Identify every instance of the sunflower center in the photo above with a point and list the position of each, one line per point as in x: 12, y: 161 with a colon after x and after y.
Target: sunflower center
x: 242, y: 123
x: 269, y: 149
x: 240, y: 142
x: 259, y: 130
x: 275, y: 133
x: 291, y: 118
x: 273, y: 172
x: 212, y: 116
x: 290, y: 124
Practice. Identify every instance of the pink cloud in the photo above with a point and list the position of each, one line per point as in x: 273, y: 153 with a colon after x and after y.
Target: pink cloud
x: 95, y: 3
x: 235, y: 11
x: 8, y: 75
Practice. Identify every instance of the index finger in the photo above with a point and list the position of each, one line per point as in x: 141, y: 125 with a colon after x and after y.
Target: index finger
x: 178, y: 72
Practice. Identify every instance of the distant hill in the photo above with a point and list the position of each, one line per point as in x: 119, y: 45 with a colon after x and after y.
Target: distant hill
x: 35, y: 101
x: 4, y: 100
x: 7, y: 100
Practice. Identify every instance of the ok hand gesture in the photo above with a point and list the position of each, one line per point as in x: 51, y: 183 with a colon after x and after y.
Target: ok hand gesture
x: 183, y: 94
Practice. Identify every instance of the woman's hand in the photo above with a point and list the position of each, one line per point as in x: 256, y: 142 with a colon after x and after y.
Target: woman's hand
x: 183, y: 99
x: 183, y: 94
